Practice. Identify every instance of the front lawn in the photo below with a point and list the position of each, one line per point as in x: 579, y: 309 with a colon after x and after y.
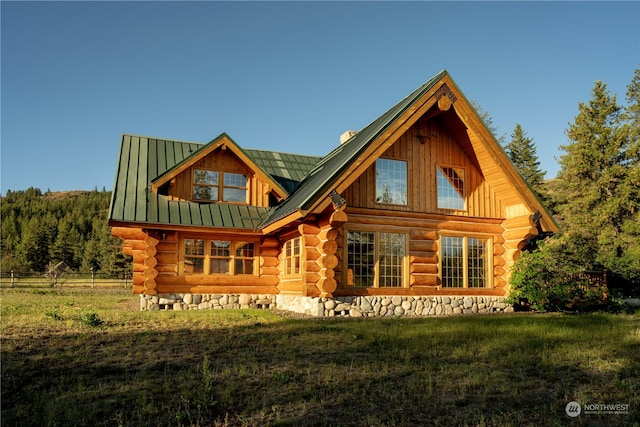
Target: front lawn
x: 87, y: 357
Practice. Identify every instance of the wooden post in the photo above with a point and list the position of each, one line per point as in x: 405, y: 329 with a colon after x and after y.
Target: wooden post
x: 12, y: 279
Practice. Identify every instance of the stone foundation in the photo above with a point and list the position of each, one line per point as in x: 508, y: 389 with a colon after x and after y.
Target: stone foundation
x: 204, y: 301
x: 364, y: 306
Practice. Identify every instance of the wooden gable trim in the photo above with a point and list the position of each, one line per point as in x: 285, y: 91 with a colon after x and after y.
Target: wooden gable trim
x: 387, y: 138
x: 494, y: 164
x: 156, y: 183
x: 223, y: 142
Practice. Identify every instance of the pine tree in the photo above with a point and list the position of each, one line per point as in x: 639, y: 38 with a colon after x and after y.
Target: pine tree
x: 488, y: 122
x: 33, y: 250
x: 632, y: 114
x: 67, y: 246
x: 597, y: 178
x: 522, y: 152
x: 628, y: 266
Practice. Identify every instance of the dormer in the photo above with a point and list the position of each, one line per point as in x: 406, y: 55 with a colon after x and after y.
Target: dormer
x: 219, y: 172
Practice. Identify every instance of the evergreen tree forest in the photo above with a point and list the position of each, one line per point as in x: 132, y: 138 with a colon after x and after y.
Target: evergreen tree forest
x: 44, y: 229
x: 595, y: 199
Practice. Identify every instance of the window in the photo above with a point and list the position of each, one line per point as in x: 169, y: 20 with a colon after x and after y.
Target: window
x: 451, y: 188
x: 205, y: 185
x: 194, y: 256
x: 391, y: 181
x: 391, y: 249
x: 375, y: 259
x: 465, y: 262
x: 292, y: 256
x: 234, y: 188
x: 219, y: 186
x: 361, y: 258
x: 244, y: 258
x: 218, y: 257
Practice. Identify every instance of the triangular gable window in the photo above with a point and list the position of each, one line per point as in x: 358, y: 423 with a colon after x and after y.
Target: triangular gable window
x: 451, y: 194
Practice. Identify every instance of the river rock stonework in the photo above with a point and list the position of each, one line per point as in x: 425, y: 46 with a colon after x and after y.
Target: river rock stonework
x: 204, y: 301
x: 362, y: 306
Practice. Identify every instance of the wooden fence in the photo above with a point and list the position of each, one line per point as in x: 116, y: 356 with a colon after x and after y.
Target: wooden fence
x: 596, y: 277
x: 14, y: 279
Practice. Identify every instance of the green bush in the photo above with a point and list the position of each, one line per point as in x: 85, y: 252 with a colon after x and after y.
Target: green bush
x: 552, y: 277
x: 90, y: 318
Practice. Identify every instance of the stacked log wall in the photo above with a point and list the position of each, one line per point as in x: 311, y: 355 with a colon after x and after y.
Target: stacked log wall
x: 155, y: 256
x: 517, y: 230
x: 423, y: 259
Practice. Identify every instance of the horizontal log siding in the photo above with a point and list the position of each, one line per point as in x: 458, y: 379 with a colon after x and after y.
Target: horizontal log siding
x: 155, y: 267
x: 440, y: 148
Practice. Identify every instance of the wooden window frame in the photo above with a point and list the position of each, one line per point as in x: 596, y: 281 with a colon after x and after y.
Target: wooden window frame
x: 220, y: 186
x: 406, y: 183
x: 233, y: 257
x: 488, y: 268
x: 463, y: 196
x: 404, y: 276
x: 291, y: 268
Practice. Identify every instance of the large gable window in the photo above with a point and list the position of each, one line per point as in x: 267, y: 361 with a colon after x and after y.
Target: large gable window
x: 464, y: 262
x: 201, y: 256
x: 451, y: 191
x: 376, y: 259
x: 219, y: 186
x: 391, y: 181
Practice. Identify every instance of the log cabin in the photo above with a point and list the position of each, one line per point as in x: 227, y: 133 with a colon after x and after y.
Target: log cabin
x: 420, y: 212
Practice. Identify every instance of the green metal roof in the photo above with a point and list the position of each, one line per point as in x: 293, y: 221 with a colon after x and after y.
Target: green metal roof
x: 287, y: 169
x: 141, y: 160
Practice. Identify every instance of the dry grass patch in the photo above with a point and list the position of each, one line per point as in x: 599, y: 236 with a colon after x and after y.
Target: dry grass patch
x: 254, y: 368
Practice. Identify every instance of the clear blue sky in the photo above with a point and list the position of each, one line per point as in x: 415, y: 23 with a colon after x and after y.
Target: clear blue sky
x: 286, y: 76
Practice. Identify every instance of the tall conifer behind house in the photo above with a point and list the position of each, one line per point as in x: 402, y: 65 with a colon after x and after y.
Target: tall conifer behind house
x: 522, y: 152
x: 599, y: 181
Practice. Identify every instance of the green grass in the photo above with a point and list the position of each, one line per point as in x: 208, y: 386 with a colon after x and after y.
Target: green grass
x: 87, y: 357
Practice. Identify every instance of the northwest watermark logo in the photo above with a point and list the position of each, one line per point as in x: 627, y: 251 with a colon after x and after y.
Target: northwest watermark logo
x: 573, y: 409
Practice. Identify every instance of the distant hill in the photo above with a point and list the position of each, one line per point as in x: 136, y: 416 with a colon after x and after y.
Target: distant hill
x: 58, y: 195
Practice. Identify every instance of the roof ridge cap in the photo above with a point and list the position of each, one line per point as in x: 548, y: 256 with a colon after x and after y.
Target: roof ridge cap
x: 163, y: 139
